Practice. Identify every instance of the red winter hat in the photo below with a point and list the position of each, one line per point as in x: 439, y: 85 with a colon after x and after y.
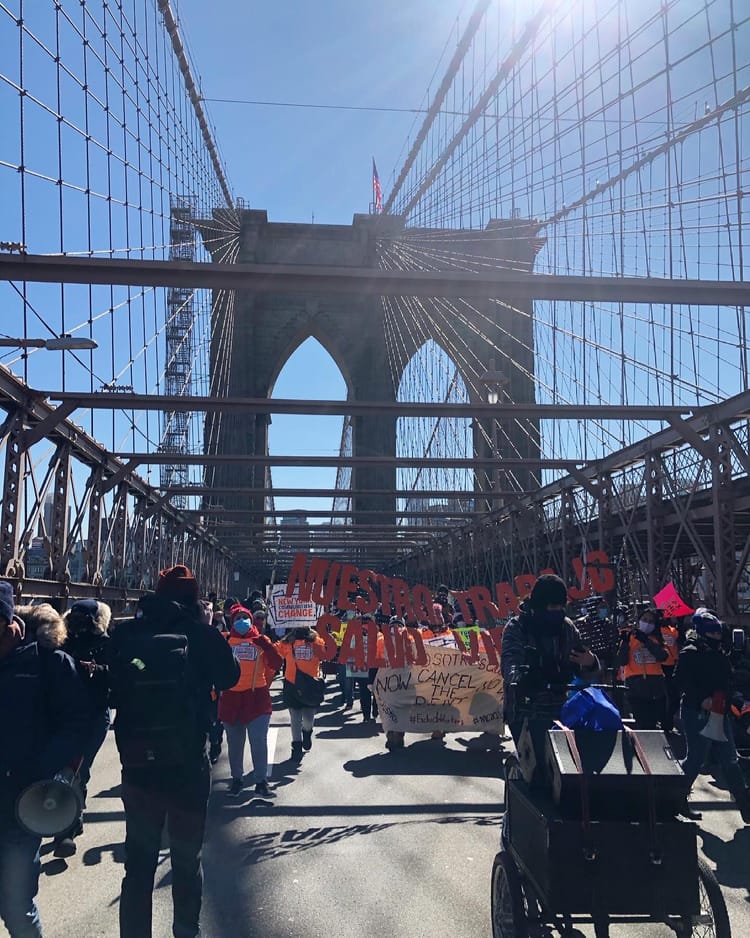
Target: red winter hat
x: 179, y: 584
x: 238, y: 610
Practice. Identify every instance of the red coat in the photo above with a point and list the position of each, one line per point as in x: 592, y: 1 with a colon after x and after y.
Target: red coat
x: 245, y: 705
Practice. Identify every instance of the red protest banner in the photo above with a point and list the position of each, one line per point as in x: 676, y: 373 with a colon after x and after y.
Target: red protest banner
x: 322, y: 582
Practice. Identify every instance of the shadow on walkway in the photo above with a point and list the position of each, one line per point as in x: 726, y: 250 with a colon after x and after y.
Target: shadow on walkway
x: 732, y: 858
x: 427, y: 757
x: 263, y: 847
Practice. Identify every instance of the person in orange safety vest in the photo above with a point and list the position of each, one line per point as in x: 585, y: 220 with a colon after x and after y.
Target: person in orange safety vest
x: 245, y: 710
x: 641, y: 653
x: 298, y: 649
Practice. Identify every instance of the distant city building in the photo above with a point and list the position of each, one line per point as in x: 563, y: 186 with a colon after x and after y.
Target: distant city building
x: 294, y: 532
x: 434, y: 512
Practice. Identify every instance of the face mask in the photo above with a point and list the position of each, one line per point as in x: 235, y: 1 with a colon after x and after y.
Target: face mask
x: 550, y: 619
x: 242, y: 626
x: 646, y: 627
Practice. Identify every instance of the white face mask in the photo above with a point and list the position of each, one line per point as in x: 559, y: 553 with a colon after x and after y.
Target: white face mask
x: 646, y: 627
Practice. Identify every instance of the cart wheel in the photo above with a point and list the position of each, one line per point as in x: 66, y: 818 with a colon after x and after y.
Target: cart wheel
x: 713, y: 907
x: 508, y: 914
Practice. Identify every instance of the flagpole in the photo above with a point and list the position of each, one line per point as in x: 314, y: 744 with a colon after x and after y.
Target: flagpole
x: 377, y: 192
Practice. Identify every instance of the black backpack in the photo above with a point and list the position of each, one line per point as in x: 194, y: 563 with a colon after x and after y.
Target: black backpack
x: 156, y: 699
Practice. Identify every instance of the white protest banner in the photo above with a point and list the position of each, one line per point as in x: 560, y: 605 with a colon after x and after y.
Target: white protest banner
x: 290, y: 612
x: 447, y: 693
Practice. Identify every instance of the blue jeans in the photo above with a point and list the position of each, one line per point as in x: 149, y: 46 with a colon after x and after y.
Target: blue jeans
x: 346, y: 684
x: 19, y: 882
x: 301, y: 720
x: 257, y: 733
x: 698, y: 747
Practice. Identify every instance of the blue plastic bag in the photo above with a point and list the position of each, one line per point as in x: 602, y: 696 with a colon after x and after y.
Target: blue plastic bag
x: 590, y: 709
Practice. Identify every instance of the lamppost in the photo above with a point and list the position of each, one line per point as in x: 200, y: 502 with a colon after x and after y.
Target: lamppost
x: 495, y: 381
x: 63, y: 343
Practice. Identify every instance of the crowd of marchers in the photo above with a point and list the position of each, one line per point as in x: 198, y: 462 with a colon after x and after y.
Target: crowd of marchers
x: 184, y: 673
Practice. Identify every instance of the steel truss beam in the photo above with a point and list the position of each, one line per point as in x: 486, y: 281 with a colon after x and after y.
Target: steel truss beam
x: 352, y: 408
x: 210, y: 459
x: 674, y: 506
x: 116, y: 526
x: 452, y: 494
x: 505, y: 285
x: 220, y: 512
x: 409, y: 533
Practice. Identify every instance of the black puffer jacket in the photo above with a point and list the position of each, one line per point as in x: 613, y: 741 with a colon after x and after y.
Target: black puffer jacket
x: 544, y: 656
x: 212, y: 661
x: 91, y: 646
x: 46, y: 720
x: 701, y: 672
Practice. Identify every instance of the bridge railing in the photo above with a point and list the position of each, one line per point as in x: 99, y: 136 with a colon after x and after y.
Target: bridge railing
x: 675, y: 506
x: 78, y: 522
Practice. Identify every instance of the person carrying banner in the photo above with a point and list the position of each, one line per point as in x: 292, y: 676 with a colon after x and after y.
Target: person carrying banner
x: 245, y: 709
x: 704, y: 679
x: 362, y: 680
x: 46, y: 720
x: 394, y: 739
x: 302, y: 695
x: 439, y: 626
x: 163, y: 666
x: 442, y: 599
x: 641, y: 654
x: 343, y: 675
x: 371, y: 675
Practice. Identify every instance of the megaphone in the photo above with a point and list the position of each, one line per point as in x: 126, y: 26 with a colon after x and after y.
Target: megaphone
x: 49, y: 807
x: 714, y: 728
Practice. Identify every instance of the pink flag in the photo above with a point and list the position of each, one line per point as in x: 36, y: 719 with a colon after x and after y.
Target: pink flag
x: 668, y: 600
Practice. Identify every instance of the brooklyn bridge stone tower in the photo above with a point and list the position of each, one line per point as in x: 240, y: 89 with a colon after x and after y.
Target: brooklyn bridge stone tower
x: 267, y: 328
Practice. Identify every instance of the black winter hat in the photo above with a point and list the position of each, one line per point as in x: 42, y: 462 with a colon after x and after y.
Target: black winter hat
x: 549, y: 590
x: 85, y: 609
x: 7, y: 602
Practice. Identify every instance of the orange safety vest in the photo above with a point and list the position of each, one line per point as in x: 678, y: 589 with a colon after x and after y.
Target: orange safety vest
x: 300, y: 654
x: 641, y: 663
x: 670, y: 636
x: 252, y: 659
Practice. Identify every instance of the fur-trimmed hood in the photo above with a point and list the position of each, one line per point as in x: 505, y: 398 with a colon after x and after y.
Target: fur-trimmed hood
x: 88, y: 615
x: 44, y: 625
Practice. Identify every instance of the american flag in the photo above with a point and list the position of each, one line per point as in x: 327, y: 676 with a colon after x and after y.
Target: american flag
x: 377, y: 192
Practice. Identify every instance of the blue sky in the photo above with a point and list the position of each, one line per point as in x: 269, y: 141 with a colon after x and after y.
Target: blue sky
x: 298, y: 163
x: 293, y: 162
